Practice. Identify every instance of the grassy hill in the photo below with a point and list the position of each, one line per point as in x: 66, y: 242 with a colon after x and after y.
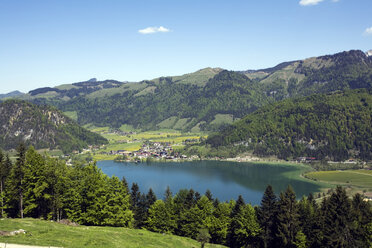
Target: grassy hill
x: 335, y: 126
x: 46, y: 233
x: 42, y: 127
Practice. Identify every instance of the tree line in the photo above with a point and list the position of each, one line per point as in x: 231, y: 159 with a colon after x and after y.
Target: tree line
x: 38, y: 186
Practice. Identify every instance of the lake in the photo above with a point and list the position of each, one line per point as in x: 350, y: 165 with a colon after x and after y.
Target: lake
x: 226, y: 180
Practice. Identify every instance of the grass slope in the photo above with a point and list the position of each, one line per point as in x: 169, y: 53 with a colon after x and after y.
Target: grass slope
x: 355, y: 178
x: 40, y: 232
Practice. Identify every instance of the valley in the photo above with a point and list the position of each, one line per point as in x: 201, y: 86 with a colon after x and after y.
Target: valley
x: 110, y: 153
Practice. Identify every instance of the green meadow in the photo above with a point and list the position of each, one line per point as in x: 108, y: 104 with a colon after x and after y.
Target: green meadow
x: 47, y: 233
x: 358, y: 179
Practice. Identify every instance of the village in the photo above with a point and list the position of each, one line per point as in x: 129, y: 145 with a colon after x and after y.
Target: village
x: 150, y: 151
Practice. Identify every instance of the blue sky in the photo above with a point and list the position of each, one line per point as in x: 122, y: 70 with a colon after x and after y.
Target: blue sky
x: 51, y: 42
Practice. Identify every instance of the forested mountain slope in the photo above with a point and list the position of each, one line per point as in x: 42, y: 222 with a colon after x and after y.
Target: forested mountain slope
x: 42, y: 127
x: 335, y: 126
x: 207, y: 99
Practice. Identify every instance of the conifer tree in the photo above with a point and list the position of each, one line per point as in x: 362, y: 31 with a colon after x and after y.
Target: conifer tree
x: 361, y: 216
x: 238, y: 206
x: 190, y: 199
x: 337, y: 220
x: 287, y: 219
x: 135, y: 196
x: 266, y: 214
x: 125, y: 184
x: 150, y: 198
x: 220, y: 222
x: 209, y: 195
x: 116, y: 209
x: 5, y: 167
x: 16, y: 180
x: 244, y: 227
x: 35, y: 183
x: 168, y: 194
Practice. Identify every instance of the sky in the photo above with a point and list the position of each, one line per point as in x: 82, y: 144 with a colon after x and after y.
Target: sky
x: 45, y: 43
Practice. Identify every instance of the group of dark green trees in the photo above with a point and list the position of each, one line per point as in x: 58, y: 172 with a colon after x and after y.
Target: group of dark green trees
x: 42, y: 187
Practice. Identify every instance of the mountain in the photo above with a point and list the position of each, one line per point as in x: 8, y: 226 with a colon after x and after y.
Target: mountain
x: 42, y: 127
x: 11, y: 94
x: 336, y: 126
x: 207, y: 99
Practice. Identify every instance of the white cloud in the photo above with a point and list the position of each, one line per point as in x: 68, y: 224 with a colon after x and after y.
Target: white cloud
x: 152, y: 30
x: 368, y: 31
x: 310, y: 2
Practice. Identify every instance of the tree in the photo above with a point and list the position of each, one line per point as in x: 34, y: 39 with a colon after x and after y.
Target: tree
x: 220, y: 222
x: 5, y: 167
x: 125, y: 184
x: 244, y: 227
x: 209, y: 195
x: 310, y: 221
x: 168, y: 194
x: 203, y: 237
x: 287, y: 219
x: 16, y: 179
x: 161, y: 218
x: 337, y: 220
x: 266, y: 214
x: 116, y: 209
x: 361, y: 217
x: 36, y: 187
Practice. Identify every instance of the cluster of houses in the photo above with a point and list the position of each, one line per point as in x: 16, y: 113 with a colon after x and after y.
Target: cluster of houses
x: 157, y: 150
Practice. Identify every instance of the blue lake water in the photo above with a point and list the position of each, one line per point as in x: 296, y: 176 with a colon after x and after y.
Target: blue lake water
x: 226, y: 180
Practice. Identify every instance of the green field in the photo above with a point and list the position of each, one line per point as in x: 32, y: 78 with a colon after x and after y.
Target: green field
x: 47, y: 233
x: 361, y: 179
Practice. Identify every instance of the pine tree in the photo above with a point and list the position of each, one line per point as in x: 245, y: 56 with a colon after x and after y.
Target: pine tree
x: 220, y: 222
x: 190, y: 199
x: 266, y: 214
x: 209, y: 195
x: 287, y: 219
x: 125, y: 184
x: 150, y: 198
x: 116, y: 209
x: 161, y: 217
x: 168, y: 194
x: 16, y: 180
x: 239, y: 203
x: 337, y: 220
x: 135, y: 195
x: 244, y: 227
x: 5, y: 167
x: 35, y: 184
x: 361, y: 217
x: 238, y: 206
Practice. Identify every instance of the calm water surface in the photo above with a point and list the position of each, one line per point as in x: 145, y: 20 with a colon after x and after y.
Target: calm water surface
x: 226, y: 180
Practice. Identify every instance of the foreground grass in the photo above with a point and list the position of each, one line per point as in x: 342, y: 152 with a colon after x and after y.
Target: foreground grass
x: 46, y: 233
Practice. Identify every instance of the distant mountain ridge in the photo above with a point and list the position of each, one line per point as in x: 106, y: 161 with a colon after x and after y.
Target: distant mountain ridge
x: 11, y: 94
x: 42, y: 127
x: 207, y: 99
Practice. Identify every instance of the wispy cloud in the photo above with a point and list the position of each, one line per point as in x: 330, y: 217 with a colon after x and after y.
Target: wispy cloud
x: 310, y: 2
x: 314, y: 2
x: 152, y: 30
x: 368, y: 31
